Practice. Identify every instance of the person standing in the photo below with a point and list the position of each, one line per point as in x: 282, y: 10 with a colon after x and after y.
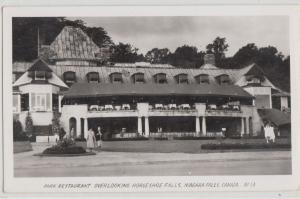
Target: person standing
x: 267, y: 132
x: 99, y: 137
x: 90, y: 140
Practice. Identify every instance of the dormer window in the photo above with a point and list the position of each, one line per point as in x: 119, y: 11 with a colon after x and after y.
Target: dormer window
x: 251, y: 79
x: 116, y: 78
x: 223, y: 79
x: 39, y: 75
x: 160, y: 78
x: 182, y: 79
x: 202, y: 79
x: 93, y: 77
x: 69, y: 77
x: 138, y: 78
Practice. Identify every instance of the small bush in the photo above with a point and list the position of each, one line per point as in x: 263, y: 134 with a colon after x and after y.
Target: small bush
x: 224, y: 146
x: 65, y: 146
x: 64, y: 150
x: 20, y: 137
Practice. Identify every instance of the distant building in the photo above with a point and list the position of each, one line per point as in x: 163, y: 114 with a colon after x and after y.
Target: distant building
x: 139, y: 98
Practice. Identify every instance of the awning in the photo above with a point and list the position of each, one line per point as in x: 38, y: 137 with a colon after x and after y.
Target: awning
x: 275, y: 116
x: 79, y: 90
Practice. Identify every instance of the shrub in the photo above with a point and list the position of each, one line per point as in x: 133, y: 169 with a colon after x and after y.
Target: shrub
x: 194, y: 138
x: 65, y: 146
x: 18, y: 134
x: 29, y: 125
x: 55, y: 127
x: 56, y: 149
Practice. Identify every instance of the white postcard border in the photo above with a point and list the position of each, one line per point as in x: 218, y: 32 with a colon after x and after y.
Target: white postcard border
x: 263, y: 183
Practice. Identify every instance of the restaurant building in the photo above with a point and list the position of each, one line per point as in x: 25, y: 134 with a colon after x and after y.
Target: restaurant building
x: 139, y: 99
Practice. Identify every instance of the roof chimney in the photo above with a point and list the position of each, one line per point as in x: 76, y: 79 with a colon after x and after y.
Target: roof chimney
x: 209, y: 59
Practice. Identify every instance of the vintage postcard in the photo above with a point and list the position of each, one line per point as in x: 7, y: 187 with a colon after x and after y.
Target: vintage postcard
x: 150, y: 99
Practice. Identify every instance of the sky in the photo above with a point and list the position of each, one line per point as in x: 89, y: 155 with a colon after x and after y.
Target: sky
x: 171, y: 32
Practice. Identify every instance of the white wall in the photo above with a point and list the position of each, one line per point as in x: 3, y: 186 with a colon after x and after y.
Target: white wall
x: 261, y: 91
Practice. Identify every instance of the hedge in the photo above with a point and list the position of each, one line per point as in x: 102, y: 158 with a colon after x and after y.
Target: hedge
x: 193, y: 138
x: 126, y: 139
x: 244, y: 146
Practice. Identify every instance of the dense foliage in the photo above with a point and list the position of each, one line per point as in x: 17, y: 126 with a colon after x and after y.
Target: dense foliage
x: 18, y: 134
x: 65, y: 146
x: 273, y: 63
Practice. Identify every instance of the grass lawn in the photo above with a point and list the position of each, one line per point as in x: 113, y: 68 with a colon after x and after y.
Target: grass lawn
x: 176, y: 146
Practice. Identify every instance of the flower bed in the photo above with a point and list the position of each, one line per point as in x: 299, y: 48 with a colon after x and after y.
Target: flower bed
x: 226, y: 146
x: 66, y: 146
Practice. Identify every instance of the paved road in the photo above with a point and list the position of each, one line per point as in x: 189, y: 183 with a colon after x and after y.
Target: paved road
x: 252, y: 167
x: 147, y: 164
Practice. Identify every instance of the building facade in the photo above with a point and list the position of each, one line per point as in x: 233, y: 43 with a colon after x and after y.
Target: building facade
x: 139, y: 99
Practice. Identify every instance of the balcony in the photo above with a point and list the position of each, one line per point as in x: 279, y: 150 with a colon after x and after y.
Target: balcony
x: 223, y: 110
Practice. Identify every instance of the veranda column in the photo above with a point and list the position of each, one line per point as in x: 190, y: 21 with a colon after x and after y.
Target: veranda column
x: 85, y: 127
x: 197, y: 126
x: 204, y: 126
x: 19, y: 103
x: 147, y: 127
x: 140, y: 126
x: 78, y: 127
x: 247, y: 126
x: 59, y: 103
x: 242, y: 127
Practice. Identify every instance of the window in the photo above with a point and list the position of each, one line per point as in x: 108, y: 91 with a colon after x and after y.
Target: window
x: 253, y: 79
x: 202, y: 79
x: 160, y: 78
x: 40, y: 101
x: 55, y: 103
x: 138, y: 78
x: 223, y: 79
x: 116, y: 78
x: 39, y: 75
x: 182, y: 79
x: 69, y: 77
x: 25, y: 102
x: 93, y: 77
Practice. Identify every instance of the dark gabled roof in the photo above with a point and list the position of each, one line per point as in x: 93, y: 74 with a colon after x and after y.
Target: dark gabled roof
x: 256, y: 71
x: 74, y: 43
x: 275, y: 116
x: 40, y: 65
x: 97, y: 90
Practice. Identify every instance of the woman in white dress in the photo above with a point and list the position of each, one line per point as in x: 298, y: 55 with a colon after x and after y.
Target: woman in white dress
x: 90, y: 140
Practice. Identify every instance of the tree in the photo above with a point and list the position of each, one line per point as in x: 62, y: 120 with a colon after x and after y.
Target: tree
x: 246, y: 55
x: 125, y: 53
x: 28, y: 125
x: 186, y: 56
x: 56, y: 123
x: 158, y: 56
x: 25, y: 34
x: 218, y: 47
